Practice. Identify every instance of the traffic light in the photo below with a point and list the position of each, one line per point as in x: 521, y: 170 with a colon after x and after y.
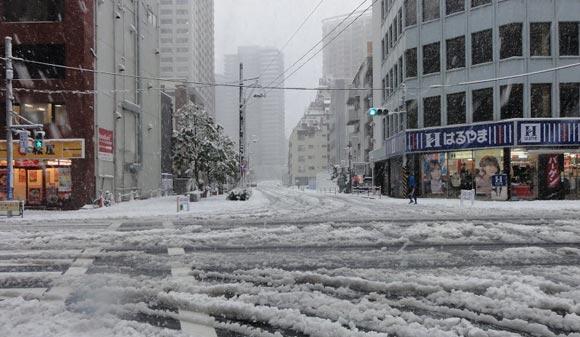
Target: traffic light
x: 24, y: 143
x: 373, y: 112
x: 38, y: 141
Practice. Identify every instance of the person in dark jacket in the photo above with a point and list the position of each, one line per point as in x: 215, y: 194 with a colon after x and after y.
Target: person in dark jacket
x: 412, y: 183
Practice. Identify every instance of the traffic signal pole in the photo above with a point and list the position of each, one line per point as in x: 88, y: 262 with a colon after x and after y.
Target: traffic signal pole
x: 9, y: 145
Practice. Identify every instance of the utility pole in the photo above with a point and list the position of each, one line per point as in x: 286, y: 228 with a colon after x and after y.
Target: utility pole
x: 9, y: 145
x: 242, y: 124
x: 349, y: 147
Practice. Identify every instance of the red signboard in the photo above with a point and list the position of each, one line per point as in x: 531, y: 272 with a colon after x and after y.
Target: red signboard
x: 105, y: 144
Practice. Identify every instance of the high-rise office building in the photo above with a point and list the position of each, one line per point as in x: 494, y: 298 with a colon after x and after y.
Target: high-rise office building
x: 343, y: 56
x: 187, y: 46
x: 264, y: 115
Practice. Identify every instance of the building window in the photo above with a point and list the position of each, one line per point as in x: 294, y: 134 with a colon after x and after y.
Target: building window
x: 410, y: 12
x: 569, y: 39
x: 540, y: 39
x: 512, y: 101
x: 401, y: 69
x: 46, y: 53
x: 541, y: 100
x: 430, y: 10
x: 33, y: 10
x: 482, y: 105
x: 411, y: 62
x: 481, y: 47
x: 400, y: 16
x: 511, y: 40
x: 412, y: 116
x: 456, y: 53
x: 431, y: 58
x: 570, y: 100
x: 476, y: 3
x: 42, y: 113
x: 454, y: 6
x: 432, y: 111
x: 456, y: 108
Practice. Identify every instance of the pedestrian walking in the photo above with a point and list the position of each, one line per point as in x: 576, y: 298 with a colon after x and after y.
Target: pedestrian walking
x: 412, y: 183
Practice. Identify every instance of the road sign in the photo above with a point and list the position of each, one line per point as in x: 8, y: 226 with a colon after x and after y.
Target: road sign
x: 51, y: 149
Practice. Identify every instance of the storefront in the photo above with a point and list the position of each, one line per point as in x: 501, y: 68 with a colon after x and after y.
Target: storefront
x: 518, y: 159
x: 42, y: 179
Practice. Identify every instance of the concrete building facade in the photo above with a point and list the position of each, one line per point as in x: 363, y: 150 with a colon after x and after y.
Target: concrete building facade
x: 308, y: 144
x: 116, y: 116
x: 490, y: 67
x: 187, y: 46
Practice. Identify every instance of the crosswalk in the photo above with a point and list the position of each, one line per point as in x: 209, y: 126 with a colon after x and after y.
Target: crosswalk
x: 48, y: 275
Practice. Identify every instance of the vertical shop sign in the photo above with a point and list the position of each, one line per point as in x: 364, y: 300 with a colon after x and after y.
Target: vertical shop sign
x: 105, y: 144
x: 553, y: 172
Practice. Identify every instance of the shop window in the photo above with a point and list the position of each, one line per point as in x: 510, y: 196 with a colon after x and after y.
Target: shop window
x: 411, y: 62
x: 512, y: 101
x: 541, y: 100
x: 481, y: 47
x: 46, y: 53
x: 477, y: 3
x: 432, y: 111
x: 456, y: 108
x: 510, y: 40
x: 488, y: 163
x: 570, y: 100
x: 482, y: 105
x: 455, y: 53
x: 42, y: 113
x: 454, y: 6
x: 540, y: 39
x: 33, y: 10
x: 569, y: 38
x: 410, y: 12
x: 412, y: 114
x: 430, y: 10
x: 431, y: 58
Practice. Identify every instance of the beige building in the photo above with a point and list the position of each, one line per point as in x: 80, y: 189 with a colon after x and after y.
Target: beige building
x: 308, y: 145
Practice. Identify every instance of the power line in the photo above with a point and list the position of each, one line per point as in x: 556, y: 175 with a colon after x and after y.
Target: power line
x: 254, y: 86
x: 292, y: 36
x: 319, y: 42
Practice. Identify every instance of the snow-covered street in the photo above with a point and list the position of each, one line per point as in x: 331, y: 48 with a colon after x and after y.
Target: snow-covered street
x: 294, y: 263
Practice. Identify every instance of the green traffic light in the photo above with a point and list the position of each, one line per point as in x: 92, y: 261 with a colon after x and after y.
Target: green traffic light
x: 38, y: 144
x: 372, y: 111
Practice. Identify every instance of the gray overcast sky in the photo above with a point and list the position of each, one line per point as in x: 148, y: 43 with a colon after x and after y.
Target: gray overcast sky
x: 271, y: 23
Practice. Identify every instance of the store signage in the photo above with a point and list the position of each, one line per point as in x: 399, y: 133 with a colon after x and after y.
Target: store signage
x: 548, y: 132
x: 553, y: 172
x: 51, y: 149
x: 105, y: 144
x: 499, y: 180
x: 500, y: 134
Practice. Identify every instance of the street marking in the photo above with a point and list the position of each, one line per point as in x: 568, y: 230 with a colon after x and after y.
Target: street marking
x: 192, y: 323
x: 79, y: 267
x: 115, y: 225
x: 187, y: 319
x: 175, y: 251
x: 22, y: 292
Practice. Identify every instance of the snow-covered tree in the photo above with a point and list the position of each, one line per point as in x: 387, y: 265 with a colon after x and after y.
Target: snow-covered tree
x: 200, y: 149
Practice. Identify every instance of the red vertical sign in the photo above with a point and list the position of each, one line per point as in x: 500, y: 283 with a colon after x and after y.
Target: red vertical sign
x: 105, y: 144
x: 553, y: 172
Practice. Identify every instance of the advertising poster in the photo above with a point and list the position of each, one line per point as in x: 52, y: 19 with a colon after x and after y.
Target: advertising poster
x: 488, y: 164
x: 435, y: 173
x: 64, y: 179
x: 105, y: 144
x: 551, y: 167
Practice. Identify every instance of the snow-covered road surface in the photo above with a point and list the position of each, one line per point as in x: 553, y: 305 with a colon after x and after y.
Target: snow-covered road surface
x: 294, y: 263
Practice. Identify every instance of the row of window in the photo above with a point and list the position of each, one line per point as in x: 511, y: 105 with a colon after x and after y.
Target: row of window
x: 512, y: 104
x: 392, y: 35
x: 510, y: 37
x: 431, y: 9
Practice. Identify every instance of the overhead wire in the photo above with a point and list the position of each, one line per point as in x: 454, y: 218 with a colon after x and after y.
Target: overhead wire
x: 292, y: 37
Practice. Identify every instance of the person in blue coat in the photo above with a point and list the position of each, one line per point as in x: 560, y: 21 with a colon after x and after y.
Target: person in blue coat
x: 412, y: 183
